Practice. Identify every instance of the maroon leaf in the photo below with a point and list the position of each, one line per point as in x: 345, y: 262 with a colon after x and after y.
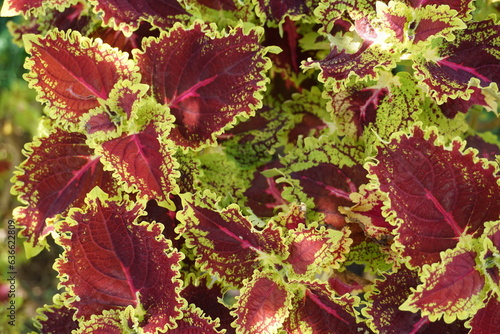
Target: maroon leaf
x: 275, y: 10
x: 225, y: 241
x: 486, y: 150
x: 142, y: 163
x: 438, y: 193
x: 340, y: 66
x: 262, y: 307
x: 472, y: 54
x: 206, y: 81
x: 321, y: 312
x: 111, y: 262
x: 207, y: 298
x: 487, y: 319
x: 453, y: 106
x: 60, y: 170
x: 126, y: 15
x: 330, y: 187
x: 264, y: 194
x: 57, y: 319
x: 388, y: 294
x: 71, y: 72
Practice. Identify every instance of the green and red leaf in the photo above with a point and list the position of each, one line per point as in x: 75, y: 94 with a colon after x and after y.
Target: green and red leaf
x: 314, y: 249
x: 438, y: 192
x: 33, y: 7
x: 225, y: 241
x: 263, y: 304
x: 110, y: 262
x: 471, y: 59
x: 207, y: 79
x: 340, y: 67
x: 317, y: 310
x: 126, y: 15
x: 58, y: 173
x: 71, y: 73
x: 452, y: 288
x: 143, y: 160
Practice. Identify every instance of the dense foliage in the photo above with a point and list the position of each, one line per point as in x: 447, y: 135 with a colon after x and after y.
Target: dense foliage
x: 304, y: 166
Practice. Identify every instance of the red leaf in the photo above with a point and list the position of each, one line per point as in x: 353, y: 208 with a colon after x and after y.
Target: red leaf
x: 330, y: 187
x: 319, y: 311
x: 487, y: 319
x: 437, y: 193
x: 57, y: 175
x: 126, y: 15
x: 389, y: 293
x: 472, y: 54
x: 111, y: 262
x: 143, y: 163
x: 206, y: 81
x: 263, y: 305
x: 226, y: 242
x: 71, y: 72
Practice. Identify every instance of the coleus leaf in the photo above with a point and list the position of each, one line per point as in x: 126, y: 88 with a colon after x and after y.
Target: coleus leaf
x: 58, y: 173
x: 341, y: 68
x: 142, y: 159
x: 463, y: 7
x: 419, y: 25
x: 428, y: 182
x: 254, y: 142
x: 126, y: 15
x: 193, y: 321
x: 328, y: 12
x: 323, y: 173
x: 109, y: 322
x: 452, y: 288
x: 263, y: 196
x: 71, y: 72
x: 263, y: 304
x: 56, y: 318
x: 383, y: 302
x: 226, y: 243
x: 111, y: 262
x: 274, y: 11
x: 487, y: 319
x: 471, y: 59
x: 317, y: 310
x: 207, y: 79
x: 30, y: 7
x: 367, y: 212
x: 313, y: 249
x: 205, y: 294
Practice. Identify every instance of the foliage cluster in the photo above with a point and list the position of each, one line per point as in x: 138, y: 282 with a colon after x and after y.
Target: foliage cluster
x: 310, y: 166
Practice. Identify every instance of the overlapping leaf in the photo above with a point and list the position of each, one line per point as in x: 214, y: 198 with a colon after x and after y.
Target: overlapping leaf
x: 57, y: 175
x: 143, y: 159
x: 314, y: 249
x: 71, y: 72
x: 340, y: 66
x: 383, y: 307
x: 33, y: 7
x: 470, y: 59
x: 225, y: 241
x: 318, y: 311
x: 453, y: 288
x: 111, y: 262
x: 324, y: 173
x: 263, y: 305
x: 126, y: 15
x: 439, y: 193
x: 207, y: 79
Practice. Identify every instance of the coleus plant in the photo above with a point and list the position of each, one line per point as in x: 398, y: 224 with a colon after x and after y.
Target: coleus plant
x: 263, y: 166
